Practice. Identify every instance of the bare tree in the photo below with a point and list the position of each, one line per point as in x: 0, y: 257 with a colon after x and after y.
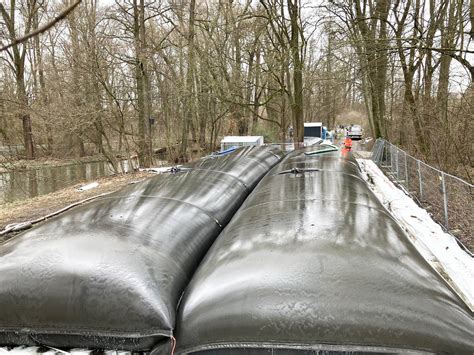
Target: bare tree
x: 143, y: 85
x: 17, y: 56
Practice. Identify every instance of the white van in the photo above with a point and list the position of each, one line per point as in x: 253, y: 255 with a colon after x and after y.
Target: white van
x: 354, y: 132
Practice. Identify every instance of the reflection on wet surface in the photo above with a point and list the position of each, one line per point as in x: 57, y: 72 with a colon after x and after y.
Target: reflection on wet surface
x: 24, y: 184
x: 121, y: 262
x: 312, y: 257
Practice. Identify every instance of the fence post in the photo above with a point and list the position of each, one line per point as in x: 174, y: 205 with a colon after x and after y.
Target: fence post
x: 380, y: 152
x: 445, y: 202
x: 396, y: 164
x: 420, y: 180
x: 390, y: 149
x: 406, y: 172
x: 375, y: 152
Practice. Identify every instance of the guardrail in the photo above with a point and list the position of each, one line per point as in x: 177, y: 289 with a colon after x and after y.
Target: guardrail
x: 448, y: 198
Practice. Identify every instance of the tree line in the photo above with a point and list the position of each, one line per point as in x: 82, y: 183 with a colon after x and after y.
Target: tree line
x: 416, y: 62
x: 137, y: 76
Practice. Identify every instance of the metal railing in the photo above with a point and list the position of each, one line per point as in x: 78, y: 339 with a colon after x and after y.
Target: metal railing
x: 446, y: 197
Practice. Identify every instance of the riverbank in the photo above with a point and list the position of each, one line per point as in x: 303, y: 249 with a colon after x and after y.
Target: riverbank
x: 24, y: 164
x: 26, y: 210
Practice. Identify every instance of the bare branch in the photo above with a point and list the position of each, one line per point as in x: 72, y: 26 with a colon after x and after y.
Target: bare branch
x: 44, y: 28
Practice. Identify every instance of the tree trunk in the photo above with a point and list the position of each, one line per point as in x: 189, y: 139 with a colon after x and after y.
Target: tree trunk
x: 297, y: 105
x: 18, y: 59
x: 24, y: 115
x: 77, y: 88
x: 143, y: 104
x: 189, y: 107
x: 471, y: 14
x: 257, y: 91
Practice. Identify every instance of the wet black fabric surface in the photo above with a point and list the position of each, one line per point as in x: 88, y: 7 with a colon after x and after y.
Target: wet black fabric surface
x: 277, y: 351
x: 109, y: 274
x: 312, y: 259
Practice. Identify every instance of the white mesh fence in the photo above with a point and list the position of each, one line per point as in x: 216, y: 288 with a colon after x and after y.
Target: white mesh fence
x: 448, y: 198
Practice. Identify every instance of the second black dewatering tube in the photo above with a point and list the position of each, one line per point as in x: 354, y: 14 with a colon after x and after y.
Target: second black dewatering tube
x: 313, y: 263
x: 109, y: 274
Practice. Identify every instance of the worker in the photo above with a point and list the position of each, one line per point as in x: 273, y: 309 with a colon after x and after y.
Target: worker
x: 348, y: 143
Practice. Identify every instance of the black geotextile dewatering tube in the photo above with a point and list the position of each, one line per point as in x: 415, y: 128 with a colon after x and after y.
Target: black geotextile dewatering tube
x: 109, y: 274
x: 313, y: 262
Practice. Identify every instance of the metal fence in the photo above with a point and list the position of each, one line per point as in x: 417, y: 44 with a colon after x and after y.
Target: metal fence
x: 447, y: 198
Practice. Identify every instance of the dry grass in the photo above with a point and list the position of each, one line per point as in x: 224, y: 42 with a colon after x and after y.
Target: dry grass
x: 26, y: 210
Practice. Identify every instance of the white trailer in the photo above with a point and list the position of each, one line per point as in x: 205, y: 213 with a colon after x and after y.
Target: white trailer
x: 313, y: 129
x: 313, y: 133
x: 240, y: 141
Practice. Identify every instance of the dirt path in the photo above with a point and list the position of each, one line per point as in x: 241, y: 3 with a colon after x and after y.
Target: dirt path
x: 26, y: 210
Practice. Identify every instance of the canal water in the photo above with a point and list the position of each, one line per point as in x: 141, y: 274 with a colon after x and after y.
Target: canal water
x: 24, y: 184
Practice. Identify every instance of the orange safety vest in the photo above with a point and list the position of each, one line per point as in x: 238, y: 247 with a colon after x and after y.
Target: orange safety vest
x: 348, y: 143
